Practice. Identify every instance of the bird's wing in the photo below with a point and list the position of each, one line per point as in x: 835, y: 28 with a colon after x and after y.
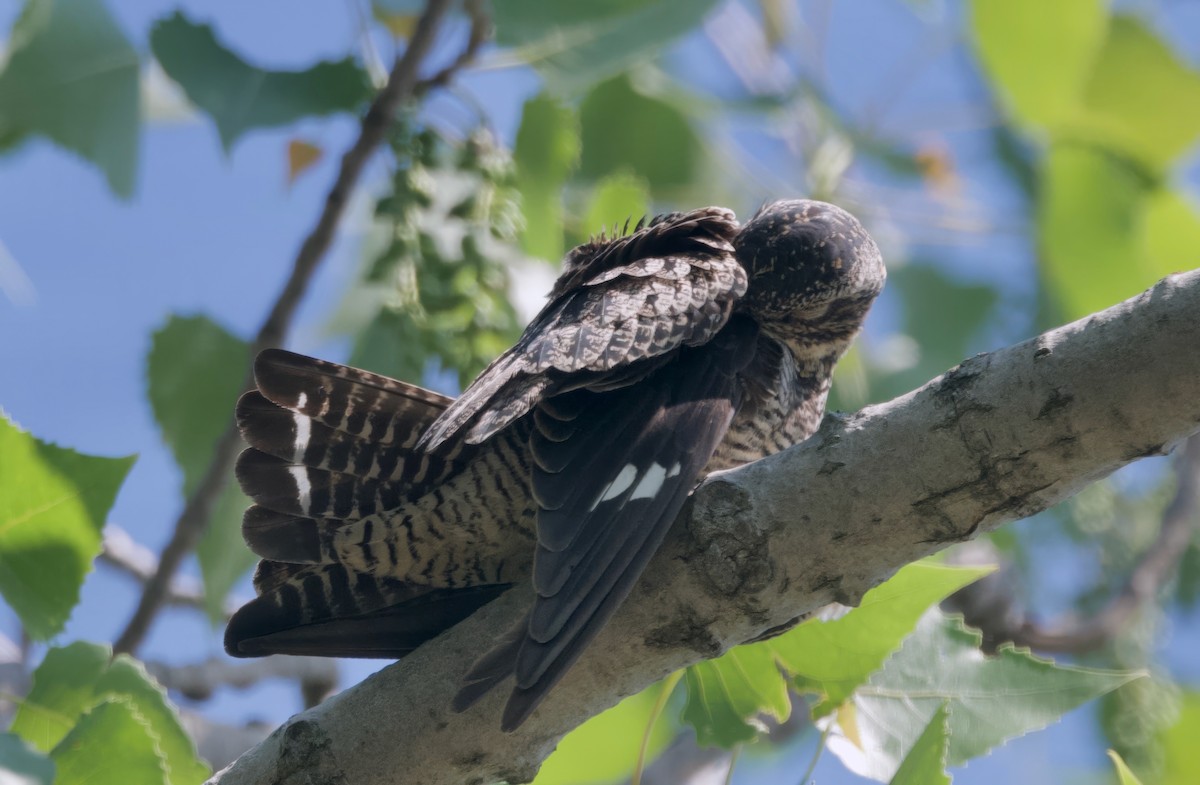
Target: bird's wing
x: 619, y: 305
x: 611, y: 470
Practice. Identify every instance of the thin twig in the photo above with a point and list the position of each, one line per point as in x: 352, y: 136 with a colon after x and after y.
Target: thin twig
x: 481, y: 32
x: 401, y: 86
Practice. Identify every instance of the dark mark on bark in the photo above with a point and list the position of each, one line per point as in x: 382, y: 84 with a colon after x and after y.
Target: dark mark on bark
x: 1057, y: 400
x: 306, y: 753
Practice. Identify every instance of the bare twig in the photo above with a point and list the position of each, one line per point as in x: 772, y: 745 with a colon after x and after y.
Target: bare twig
x: 481, y: 32
x: 1001, y: 620
x: 402, y: 85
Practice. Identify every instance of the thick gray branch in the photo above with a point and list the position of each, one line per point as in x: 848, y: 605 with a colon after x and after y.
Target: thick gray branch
x: 997, y: 438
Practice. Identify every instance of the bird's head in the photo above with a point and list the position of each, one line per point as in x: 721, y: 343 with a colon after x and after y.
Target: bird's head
x: 813, y: 270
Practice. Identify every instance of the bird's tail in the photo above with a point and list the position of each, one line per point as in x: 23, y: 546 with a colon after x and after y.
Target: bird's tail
x: 331, y: 449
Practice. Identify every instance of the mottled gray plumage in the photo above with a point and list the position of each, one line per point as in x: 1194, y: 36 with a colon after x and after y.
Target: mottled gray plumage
x: 385, y: 513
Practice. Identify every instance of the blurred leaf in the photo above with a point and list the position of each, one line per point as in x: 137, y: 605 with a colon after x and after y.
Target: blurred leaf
x: 386, y: 346
x: 605, y: 748
x: 577, y: 44
x: 546, y: 152
x: 1141, y: 98
x: 1090, y: 224
x: 925, y: 763
x: 618, y: 198
x: 195, y: 372
x: 239, y: 96
x: 72, y: 77
x: 53, y: 504
x: 20, y: 765
x: 990, y: 699
x: 1124, y: 775
x: 1182, y: 765
x: 1037, y: 54
x: 111, y: 745
x: 835, y: 657
x: 942, y: 316
x: 1172, y: 232
x: 72, y: 680
x: 301, y: 156
x: 625, y: 130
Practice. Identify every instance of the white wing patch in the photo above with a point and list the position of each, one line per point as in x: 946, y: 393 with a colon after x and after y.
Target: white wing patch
x: 653, y: 481
x: 617, y: 486
x: 303, y: 486
x: 303, y: 430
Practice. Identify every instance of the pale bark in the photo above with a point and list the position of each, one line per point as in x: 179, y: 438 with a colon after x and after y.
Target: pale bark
x: 998, y: 438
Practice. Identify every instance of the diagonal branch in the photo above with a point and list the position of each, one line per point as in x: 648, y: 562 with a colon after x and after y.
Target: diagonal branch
x: 1000, y: 437
x: 401, y: 86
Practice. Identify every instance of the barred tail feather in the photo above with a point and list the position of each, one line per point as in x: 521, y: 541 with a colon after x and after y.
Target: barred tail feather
x: 331, y: 447
x: 330, y: 610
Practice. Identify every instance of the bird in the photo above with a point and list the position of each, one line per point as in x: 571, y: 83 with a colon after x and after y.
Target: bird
x: 385, y: 513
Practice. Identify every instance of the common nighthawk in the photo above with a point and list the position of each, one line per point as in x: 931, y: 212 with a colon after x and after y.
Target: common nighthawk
x: 385, y: 513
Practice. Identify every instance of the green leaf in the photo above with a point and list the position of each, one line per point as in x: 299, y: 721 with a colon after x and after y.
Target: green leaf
x: 1038, y: 55
x: 718, y: 708
x: 1172, y: 232
x: 832, y: 658
x: 1141, y: 98
x: 605, y: 748
x: 725, y: 694
x: 618, y: 198
x: 20, y: 765
x: 1090, y: 220
x: 195, y: 372
x: 72, y: 77
x: 1182, y: 764
x: 111, y: 745
x: 989, y: 699
x: 546, y: 152
x: 53, y: 504
x: 72, y: 680
x: 577, y: 44
x: 386, y: 346
x: 836, y: 657
x: 1124, y: 775
x: 925, y: 763
x: 626, y: 130
x: 239, y: 96
x: 128, y: 678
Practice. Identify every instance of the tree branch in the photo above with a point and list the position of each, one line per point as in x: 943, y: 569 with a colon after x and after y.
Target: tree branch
x: 1000, y: 437
x: 401, y: 86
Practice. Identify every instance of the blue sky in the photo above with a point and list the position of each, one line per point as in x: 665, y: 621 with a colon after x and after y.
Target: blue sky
x: 215, y: 234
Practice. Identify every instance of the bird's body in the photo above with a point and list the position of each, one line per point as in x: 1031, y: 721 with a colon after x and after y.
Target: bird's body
x: 386, y: 513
